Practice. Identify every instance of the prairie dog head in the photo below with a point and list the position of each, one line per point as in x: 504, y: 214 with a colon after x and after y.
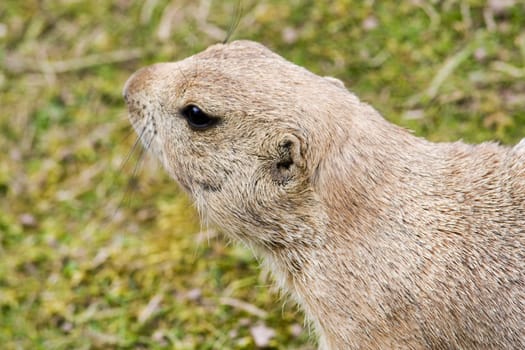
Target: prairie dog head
x: 243, y: 131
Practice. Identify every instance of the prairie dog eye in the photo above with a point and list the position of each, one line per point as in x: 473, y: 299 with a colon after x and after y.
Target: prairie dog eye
x: 197, y: 119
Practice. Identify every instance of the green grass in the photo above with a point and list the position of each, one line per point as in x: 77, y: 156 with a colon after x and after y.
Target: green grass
x: 92, y: 260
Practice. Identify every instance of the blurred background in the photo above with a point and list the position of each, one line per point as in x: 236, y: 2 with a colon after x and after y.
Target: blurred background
x: 97, y: 252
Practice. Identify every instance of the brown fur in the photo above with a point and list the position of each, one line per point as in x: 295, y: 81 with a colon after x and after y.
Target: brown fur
x: 386, y: 240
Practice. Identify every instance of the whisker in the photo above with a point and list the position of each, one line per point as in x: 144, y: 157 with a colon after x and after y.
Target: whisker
x: 141, y: 156
x: 134, y: 147
x: 125, y: 196
x: 130, y: 131
x: 235, y: 21
x: 130, y: 154
x: 185, y: 82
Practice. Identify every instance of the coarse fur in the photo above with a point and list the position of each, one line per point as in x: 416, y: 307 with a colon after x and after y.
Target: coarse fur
x: 386, y: 240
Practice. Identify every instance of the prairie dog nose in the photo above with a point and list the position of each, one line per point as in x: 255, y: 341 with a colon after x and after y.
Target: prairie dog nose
x: 138, y: 81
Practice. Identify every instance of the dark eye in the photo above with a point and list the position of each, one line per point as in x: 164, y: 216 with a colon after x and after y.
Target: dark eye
x: 197, y: 119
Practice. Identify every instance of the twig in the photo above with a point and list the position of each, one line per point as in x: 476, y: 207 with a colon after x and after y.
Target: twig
x: 74, y: 64
x: 445, y: 71
x: 432, y: 14
x: 490, y: 23
x: 152, y: 306
x: 146, y: 11
x: 171, y: 15
x: 513, y: 71
x: 244, y: 306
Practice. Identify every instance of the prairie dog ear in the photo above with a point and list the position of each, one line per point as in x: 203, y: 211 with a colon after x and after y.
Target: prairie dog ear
x: 336, y: 82
x: 290, y: 162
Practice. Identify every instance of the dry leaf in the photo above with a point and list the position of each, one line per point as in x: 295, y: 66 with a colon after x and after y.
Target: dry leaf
x: 262, y: 335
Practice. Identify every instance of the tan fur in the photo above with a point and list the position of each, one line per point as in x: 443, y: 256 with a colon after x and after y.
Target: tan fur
x: 386, y: 240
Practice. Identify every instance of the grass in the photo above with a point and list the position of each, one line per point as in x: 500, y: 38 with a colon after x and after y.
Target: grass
x: 93, y: 258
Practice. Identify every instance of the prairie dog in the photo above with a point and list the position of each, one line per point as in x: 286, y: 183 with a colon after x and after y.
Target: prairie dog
x: 386, y: 240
